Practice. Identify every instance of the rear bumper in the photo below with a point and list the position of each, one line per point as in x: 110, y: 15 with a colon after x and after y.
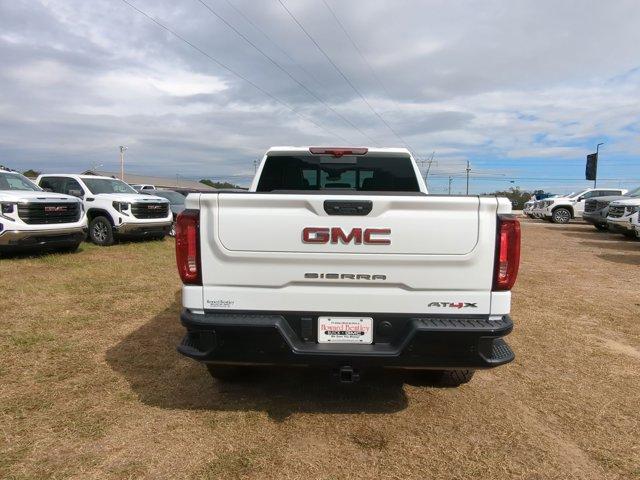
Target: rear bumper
x: 34, y: 238
x: 400, y: 341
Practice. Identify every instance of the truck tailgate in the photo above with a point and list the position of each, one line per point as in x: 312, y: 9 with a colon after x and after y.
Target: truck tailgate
x: 420, y: 225
x: 439, y: 258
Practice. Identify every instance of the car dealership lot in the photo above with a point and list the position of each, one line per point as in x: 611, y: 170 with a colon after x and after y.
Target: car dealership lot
x: 92, y: 387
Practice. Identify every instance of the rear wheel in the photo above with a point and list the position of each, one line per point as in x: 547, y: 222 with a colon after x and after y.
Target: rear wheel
x: 603, y: 227
x: 454, y: 378
x: 561, y: 215
x: 101, y: 231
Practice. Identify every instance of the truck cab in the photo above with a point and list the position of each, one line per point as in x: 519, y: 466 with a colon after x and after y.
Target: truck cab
x: 113, y: 208
x: 339, y: 258
x: 32, y: 219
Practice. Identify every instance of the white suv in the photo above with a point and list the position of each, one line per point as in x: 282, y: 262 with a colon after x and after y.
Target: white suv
x: 623, y: 217
x: 113, y: 207
x: 563, y: 209
x: 31, y: 218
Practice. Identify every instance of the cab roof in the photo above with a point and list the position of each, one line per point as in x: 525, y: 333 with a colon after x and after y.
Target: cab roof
x: 307, y: 150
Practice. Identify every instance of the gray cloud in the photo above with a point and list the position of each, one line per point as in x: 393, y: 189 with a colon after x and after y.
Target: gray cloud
x: 507, y: 80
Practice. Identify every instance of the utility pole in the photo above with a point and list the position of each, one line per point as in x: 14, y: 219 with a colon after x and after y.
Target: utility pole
x: 429, y: 163
x: 468, y: 169
x: 595, y: 180
x: 450, y: 181
x: 122, y: 150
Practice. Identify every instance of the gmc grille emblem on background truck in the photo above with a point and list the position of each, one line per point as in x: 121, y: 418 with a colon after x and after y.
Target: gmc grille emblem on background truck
x: 357, y: 236
x: 59, y: 208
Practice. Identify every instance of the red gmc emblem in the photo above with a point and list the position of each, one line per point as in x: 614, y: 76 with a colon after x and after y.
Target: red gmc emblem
x: 56, y: 208
x: 359, y: 236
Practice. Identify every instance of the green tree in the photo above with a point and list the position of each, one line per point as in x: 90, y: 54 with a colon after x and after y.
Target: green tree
x: 31, y: 173
x: 221, y: 185
x: 515, y: 195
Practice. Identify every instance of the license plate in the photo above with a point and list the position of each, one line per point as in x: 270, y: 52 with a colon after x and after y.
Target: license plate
x: 345, y: 330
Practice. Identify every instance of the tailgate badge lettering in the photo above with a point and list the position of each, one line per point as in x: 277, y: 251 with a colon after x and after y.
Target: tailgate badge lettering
x: 357, y: 236
x: 453, y: 304
x: 345, y: 276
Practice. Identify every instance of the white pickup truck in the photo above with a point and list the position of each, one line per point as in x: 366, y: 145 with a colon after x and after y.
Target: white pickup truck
x: 113, y: 208
x: 338, y: 257
x: 31, y: 219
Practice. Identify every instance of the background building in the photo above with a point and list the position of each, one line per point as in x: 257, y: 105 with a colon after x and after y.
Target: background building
x: 160, y: 182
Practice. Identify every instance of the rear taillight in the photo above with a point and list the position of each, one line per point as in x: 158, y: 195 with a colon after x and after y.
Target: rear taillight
x: 507, y: 253
x: 188, y: 247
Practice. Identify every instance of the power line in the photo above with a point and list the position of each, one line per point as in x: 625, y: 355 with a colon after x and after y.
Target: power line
x: 230, y: 70
x: 508, y: 178
x: 341, y: 73
x: 281, y: 68
x: 371, y: 69
x: 273, y: 42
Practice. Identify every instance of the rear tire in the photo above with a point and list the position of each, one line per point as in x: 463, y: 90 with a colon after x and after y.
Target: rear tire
x: 601, y: 227
x: 561, y: 215
x: 454, y: 378
x: 101, y: 231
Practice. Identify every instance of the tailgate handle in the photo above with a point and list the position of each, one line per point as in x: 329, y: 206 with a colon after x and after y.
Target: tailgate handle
x: 348, y: 207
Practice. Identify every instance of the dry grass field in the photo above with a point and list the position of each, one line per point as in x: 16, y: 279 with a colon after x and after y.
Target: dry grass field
x: 91, y: 385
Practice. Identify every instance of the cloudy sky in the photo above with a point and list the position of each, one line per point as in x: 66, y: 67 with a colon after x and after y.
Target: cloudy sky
x: 523, y: 90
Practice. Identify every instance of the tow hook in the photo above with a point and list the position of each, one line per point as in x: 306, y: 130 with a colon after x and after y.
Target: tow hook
x: 346, y: 374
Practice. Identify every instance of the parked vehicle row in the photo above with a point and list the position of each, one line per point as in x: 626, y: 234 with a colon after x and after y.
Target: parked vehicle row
x: 614, y: 209
x: 564, y: 208
x: 59, y: 211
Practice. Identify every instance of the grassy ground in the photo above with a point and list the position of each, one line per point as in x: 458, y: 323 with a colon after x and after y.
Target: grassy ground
x: 91, y: 385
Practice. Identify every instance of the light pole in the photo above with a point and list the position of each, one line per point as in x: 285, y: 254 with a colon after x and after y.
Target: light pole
x: 595, y: 180
x: 122, y: 150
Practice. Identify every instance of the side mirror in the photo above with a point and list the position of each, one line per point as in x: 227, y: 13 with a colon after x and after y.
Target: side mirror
x: 76, y: 193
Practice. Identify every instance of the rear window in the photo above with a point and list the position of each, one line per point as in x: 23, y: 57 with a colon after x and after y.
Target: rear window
x: 372, y: 174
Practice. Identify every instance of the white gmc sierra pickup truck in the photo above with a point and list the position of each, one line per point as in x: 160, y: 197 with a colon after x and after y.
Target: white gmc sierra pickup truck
x: 113, y: 208
x: 338, y: 257
x: 32, y: 219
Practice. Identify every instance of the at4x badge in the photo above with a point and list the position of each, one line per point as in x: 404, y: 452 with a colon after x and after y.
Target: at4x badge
x: 453, y: 305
